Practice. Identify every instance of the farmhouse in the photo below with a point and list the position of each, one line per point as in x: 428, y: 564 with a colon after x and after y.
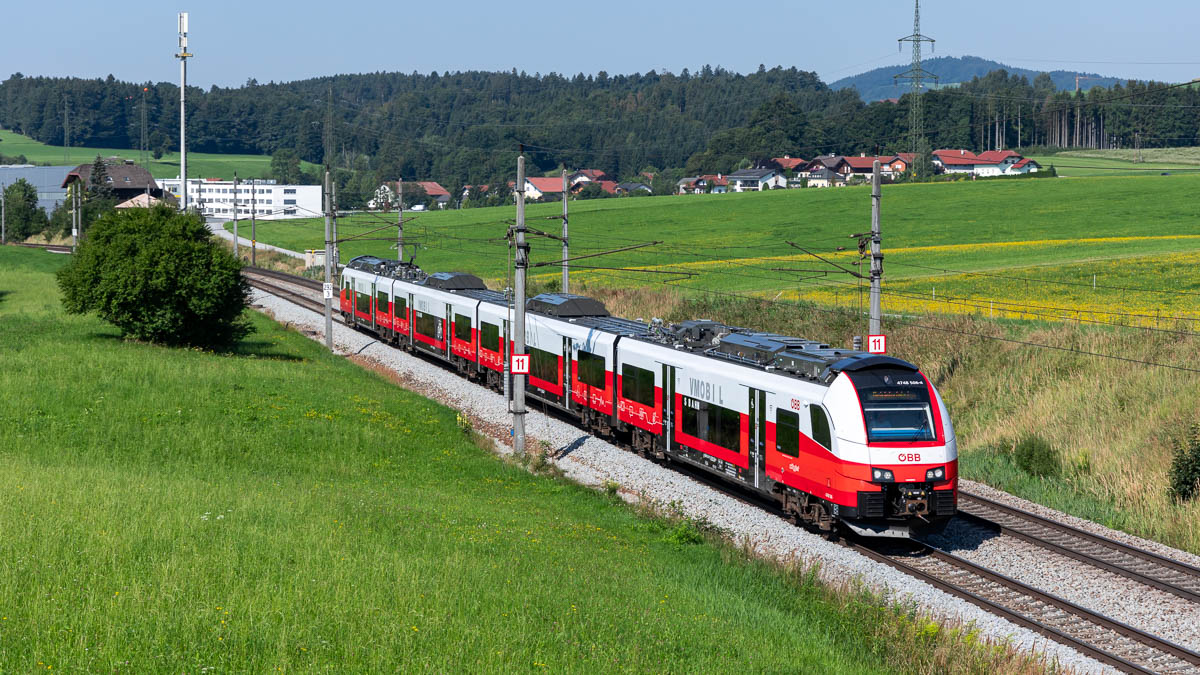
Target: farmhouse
x: 586, y: 176
x: 752, y: 180
x: 990, y: 163
x: 698, y: 185
x: 543, y: 188
x: 827, y: 171
x: 630, y: 188
x: 126, y: 178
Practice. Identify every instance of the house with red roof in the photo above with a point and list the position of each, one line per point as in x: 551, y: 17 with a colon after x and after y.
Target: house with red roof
x: 788, y: 163
x: 698, y: 185
x: 990, y: 163
x: 436, y: 192
x: 537, y: 188
x: 585, y: 176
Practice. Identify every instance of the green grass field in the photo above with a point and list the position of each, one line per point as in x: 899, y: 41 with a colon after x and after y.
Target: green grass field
x: 279, y: 508
x: 200, y: 164
x: 1078, y: 163
x: 738, y: 242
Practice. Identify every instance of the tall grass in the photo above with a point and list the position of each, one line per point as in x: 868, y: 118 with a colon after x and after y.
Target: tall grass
x: 279, y: 508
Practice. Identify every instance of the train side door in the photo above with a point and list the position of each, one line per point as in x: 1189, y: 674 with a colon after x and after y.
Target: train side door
x: 373, y: 304
x: 668, y: 411
x: 444, y: 329
x: 758, y: 437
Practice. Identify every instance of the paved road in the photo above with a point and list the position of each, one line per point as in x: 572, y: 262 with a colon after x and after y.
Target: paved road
x: 217, y: 227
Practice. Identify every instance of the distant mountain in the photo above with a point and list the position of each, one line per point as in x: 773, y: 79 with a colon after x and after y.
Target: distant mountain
x: 875, y: 85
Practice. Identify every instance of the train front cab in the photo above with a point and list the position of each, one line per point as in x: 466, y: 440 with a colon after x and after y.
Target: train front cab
x: 898, y: 457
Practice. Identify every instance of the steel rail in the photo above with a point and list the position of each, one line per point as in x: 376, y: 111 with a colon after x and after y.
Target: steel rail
x: 283, y: 276
x: 1140, y: 565
x: 1129, y: 649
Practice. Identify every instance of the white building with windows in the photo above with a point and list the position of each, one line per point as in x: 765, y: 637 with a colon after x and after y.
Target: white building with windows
x: 270, y: 201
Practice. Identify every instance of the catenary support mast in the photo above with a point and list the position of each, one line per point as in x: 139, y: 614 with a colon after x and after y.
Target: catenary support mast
x: 328, y: 263
x: 566, y: 275
x: 876, y: 252
x: 183, y: 56
x: 522, y: 262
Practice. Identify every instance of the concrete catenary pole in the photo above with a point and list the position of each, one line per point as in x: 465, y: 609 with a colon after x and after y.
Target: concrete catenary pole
x: 328, y: 263
x: 522, y: 261
x: 254, y: 222
x: 3, y: 216
x: 400, y: 219
x: 235, y: 214
x: 566, y: 276
x: 75, y: 219
x: 876, y: 252
x: 183, y: 57
x: 333, y: 208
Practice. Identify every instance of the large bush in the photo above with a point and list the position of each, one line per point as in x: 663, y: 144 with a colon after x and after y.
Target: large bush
x: 159, y: 276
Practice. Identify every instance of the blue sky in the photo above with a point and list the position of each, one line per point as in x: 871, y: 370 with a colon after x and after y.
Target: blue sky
x: 235, y: 41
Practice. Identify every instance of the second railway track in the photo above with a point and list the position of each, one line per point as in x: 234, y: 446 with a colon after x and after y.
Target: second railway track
x: 1133, y: 563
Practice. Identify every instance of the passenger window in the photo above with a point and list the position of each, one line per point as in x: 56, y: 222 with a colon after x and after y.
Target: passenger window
x: 462, y: 328
x: 820, y: 427
x: 489, y: 337
x: 591, y: 369
x: 713, y: 423
x: 787, y: 432
x: 381, y: 302
x: 637, y: 385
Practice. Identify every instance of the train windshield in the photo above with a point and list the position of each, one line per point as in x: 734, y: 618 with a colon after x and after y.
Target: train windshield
x: 896, y: 405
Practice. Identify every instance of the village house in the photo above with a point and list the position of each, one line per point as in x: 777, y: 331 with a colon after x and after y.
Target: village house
x: 585, y: 176
x: 698, y: 185
x: 990, y: 163
x: 753, y: 180
x: 439, y: 194
x: 630, y: 188
x: 537, y: 189
x: 126, y: 178
x: 825, y: 171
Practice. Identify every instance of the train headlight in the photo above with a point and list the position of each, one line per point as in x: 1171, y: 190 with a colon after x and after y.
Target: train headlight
x: 935, y: 474
x: 882, y: 475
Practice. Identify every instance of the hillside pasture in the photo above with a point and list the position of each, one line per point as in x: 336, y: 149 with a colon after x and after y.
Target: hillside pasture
x: 200, y: 164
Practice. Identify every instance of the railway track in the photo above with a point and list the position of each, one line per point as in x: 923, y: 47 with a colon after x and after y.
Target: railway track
x: 256, y: 277
x: 1106, y: 640
x: 1107, y: 554
x: 1109, y: 641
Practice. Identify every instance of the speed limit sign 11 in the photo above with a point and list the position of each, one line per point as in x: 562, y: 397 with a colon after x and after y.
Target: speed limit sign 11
x: 520, y: 364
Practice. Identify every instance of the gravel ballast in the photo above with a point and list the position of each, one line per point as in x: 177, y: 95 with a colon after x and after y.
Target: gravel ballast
x: 591, y: 461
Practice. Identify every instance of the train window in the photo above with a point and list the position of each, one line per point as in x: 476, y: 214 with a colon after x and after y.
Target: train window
x: 362, y: 302
x: 787, y: 432
x: 591, y: 369
x: 382, y: 302
x: 462, y: 328
x: 543, y: 365
x: 427, y: 325
x: 637, y: 385
x: 489, y: 336
x: 820, y: 427
x: 712, y: 423
x: 400, y: 307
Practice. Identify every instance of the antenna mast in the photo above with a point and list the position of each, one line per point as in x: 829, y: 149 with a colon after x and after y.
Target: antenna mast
x: 915, y: 74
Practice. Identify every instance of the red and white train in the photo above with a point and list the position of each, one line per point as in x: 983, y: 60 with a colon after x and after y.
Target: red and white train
x: 832, y: 434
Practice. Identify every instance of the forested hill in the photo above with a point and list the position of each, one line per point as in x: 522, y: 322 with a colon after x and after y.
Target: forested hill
x: 465, y: 126
x: 879, y: 84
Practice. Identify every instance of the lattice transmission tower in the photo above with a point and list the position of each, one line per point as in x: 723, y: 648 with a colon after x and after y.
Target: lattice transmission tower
x: 915, y: 75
